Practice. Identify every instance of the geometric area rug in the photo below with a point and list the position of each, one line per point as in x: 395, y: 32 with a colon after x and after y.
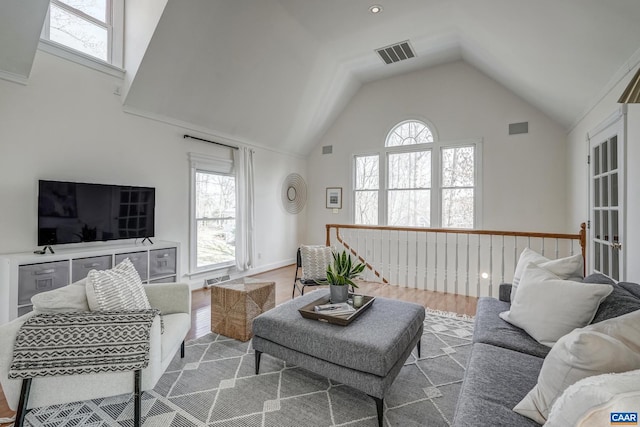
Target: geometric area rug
x: 215, y: 385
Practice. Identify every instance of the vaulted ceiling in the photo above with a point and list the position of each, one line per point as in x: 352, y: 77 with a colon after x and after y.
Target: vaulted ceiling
x: 276, y: 73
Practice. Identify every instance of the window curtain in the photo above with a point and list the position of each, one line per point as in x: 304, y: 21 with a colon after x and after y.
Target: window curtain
x: 245, y: 215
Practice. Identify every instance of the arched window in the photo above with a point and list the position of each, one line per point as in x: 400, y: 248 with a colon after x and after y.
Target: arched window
x: 409, y: 133
x: 417, y: 181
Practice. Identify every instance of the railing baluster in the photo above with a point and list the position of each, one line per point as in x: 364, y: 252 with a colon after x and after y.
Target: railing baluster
x: 374, y: 245
x: 446, y: 262
x: 466, y: 282
x: 479, y: 272
x: 502, y: 262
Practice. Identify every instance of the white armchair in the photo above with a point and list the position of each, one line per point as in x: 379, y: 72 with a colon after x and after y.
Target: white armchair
x: 174, y: 302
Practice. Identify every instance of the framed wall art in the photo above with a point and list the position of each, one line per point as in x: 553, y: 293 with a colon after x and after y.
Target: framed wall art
x: 334, y: 198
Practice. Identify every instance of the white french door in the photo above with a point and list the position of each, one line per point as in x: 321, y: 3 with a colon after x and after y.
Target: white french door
x: 607, y: 196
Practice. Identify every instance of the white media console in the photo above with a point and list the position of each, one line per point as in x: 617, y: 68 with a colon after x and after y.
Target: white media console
x: 23, y: 275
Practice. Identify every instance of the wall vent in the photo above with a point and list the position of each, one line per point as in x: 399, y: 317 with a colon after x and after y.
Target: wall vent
x: 214, y: 280
x: 396, y: 52
x: 516, y: 128
x: 327, y: 149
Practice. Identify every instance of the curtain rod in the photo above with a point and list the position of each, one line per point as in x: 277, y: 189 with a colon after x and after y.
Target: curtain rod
x: 212, y: 142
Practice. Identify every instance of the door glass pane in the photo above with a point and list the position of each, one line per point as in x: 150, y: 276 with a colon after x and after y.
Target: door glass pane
x: 596, y: 257
x: 605, y: 191
x: 605, y: 225
x: 596, y: 160
x: 596, y: 192
x: 596, y: 224
x: 614, y: 189
x: 605, y: 259
x: 614, y: 152
x: 615, y: 264
x: 605, y: 159
x: 366, y: 207
x: 409, y: 208
x: 615, y: 233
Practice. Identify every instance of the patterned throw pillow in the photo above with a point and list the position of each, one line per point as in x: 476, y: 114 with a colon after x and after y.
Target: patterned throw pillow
x: 117, y: 289
x: 315, y: 260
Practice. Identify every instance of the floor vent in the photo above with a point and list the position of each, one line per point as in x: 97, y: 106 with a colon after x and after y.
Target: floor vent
x: 396, y: 52
x: 214, y: 280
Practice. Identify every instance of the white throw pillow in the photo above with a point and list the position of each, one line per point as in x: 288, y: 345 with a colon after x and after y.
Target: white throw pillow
x: 591, y: 396
x: 571, y: 268
x: 607, y: 347
x: 548, y: 308
x: 69, y: 298
x: 627, y: 403
x: 117, y: 289
x: 315, y: 260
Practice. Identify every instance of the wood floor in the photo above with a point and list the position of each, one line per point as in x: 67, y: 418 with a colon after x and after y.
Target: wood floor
x: 283, y: 277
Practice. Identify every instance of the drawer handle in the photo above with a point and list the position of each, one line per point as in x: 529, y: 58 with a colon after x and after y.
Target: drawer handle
x: 49, y: 271
x: 95, y: 264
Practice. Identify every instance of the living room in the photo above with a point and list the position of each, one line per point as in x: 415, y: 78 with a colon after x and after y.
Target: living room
x: 68, y: 122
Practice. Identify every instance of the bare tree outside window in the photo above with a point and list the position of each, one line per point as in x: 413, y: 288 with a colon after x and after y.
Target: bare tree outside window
x: 458, y: 182
x: 367, y: 182
x: 415, y: 164
x: 215, y: 218
x: 82, y: 25
x: 409, y: 189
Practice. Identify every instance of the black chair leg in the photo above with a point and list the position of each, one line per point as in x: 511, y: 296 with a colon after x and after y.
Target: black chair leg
x: 137, y: 403
x: 379, y: 408
x: 182, y: 350
x: 419, y: 348
x: 22, y: 404
x: 257, y: 360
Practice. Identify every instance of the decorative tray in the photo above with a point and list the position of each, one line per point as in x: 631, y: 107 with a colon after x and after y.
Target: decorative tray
x: 309, y: 312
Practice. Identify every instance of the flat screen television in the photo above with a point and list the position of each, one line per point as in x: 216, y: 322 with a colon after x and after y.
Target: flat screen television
x: 74, y: 212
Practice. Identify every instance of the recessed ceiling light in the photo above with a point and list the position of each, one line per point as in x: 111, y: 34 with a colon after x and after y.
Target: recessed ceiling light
x: 376, y: 8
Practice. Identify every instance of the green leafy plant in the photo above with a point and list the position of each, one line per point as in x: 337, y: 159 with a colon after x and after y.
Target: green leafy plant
x: 343, y: 270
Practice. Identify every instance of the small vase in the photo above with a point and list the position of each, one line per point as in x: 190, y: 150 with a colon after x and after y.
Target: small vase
x: 339, y: 293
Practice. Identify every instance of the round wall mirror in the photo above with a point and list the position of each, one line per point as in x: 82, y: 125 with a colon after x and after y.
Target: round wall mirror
x: 294, y: 193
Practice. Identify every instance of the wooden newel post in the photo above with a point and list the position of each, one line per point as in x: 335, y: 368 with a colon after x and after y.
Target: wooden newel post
x: 583, y: 245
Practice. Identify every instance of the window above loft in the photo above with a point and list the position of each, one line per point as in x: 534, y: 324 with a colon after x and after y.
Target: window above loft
x: 86, y: 31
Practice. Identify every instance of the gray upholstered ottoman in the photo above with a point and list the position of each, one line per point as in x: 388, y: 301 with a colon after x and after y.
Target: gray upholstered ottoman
x: 367, y: 354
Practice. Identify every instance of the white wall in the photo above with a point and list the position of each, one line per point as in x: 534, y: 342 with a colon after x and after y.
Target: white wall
x: 66, y: 124
x: 578, y: 174
x: 523, y: 175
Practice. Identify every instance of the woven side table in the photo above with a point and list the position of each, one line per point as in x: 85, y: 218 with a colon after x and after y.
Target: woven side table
x: 236, y: 303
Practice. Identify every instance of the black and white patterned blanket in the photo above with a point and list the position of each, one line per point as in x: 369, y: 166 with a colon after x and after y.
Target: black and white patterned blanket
x: 52, y: 344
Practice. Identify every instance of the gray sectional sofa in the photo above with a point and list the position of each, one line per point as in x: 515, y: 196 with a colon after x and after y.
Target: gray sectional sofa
x: 505, y: 361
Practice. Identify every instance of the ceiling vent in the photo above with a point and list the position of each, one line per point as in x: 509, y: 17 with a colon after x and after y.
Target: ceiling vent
x: 396, y: 52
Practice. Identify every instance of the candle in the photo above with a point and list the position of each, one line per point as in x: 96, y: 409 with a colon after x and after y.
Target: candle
x: 358, y: 300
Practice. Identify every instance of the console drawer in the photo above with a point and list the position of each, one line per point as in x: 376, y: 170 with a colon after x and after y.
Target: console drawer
x: 82, y: 266
x: 139, y: 260
x: 36, y: 278
x: 162, y: 262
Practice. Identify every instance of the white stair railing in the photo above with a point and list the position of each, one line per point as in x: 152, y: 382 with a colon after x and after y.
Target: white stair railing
x: 464, y: 262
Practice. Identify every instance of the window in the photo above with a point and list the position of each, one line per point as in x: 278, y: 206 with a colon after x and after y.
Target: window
x: 417, y: 181
x: 213, y: 217
x: 91, y: 27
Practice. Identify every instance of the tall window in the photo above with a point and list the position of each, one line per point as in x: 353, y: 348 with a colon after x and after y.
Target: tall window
x: 215, y: 219
x: 417, y: 181
x: 213, y: 213
x: 92, y: 27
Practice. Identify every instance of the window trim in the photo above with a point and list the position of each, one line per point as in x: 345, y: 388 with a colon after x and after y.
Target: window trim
x: 211, y: 164
x: 115, y: 40
x: 436, y: 188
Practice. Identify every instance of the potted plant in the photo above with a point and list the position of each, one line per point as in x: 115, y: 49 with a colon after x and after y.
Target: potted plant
x: 340, y: 274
